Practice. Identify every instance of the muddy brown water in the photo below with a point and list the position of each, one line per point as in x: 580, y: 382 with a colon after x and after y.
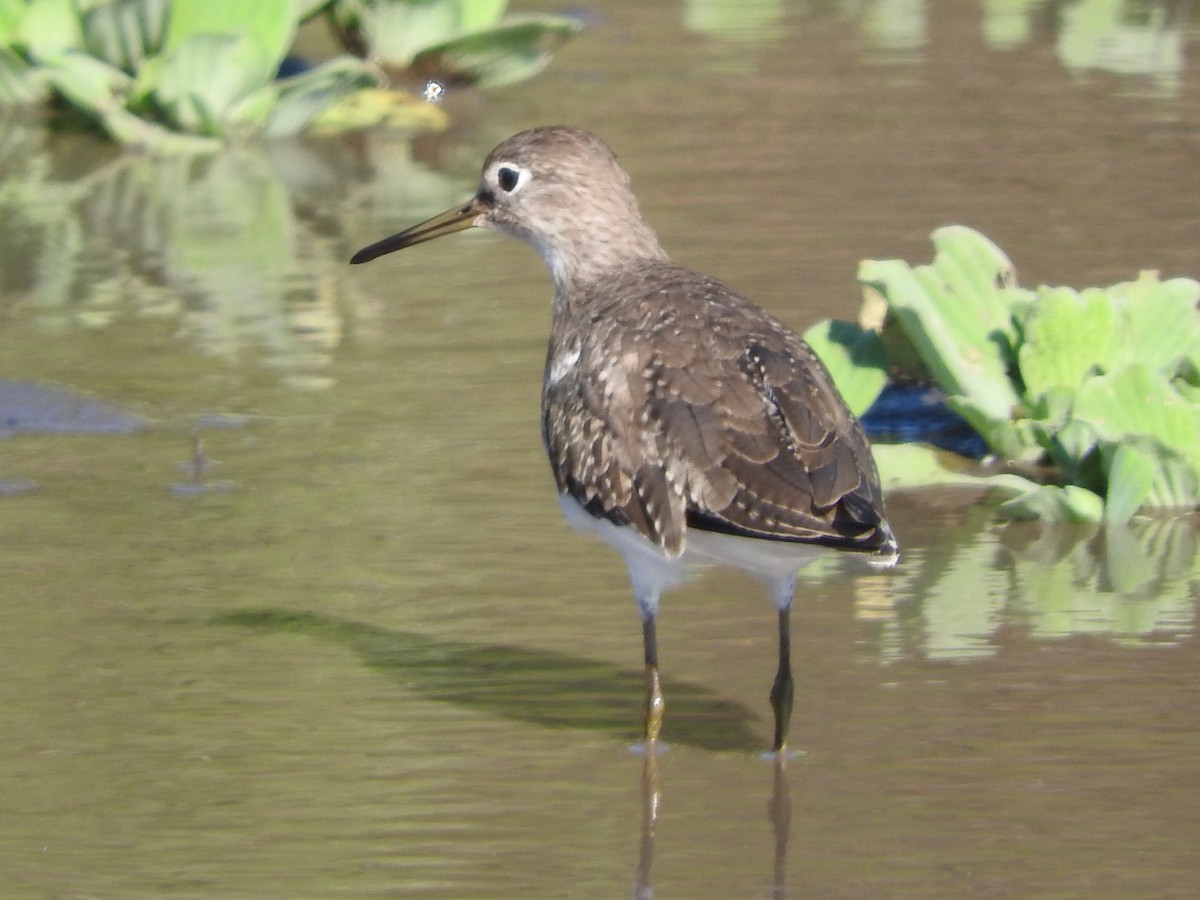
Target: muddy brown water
x: 318, y: 629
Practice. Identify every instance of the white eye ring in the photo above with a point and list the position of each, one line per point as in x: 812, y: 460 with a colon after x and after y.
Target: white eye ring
x: 509, y: 177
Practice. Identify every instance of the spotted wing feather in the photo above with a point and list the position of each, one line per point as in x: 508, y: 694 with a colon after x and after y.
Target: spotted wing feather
x: 687, y: 406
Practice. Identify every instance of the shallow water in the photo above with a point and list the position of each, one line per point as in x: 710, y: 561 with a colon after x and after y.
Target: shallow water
x: 319, y: 628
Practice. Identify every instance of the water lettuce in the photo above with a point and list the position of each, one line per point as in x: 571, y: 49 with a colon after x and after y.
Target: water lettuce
x: 1098, y: 389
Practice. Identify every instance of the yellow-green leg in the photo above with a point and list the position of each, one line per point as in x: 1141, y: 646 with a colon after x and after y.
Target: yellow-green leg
x: 654, y: 698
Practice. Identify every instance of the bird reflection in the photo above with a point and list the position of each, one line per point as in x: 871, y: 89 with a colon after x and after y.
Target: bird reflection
x: 651, y: 804
x: 779, y: 815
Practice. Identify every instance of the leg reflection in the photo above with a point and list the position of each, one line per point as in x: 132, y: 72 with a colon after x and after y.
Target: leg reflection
x: 779, y: 813
x: 651, y: 802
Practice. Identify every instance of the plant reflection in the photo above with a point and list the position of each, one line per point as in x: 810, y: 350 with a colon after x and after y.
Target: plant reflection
x: 233, y: 246
x: 1125, y: 37
x: 1133, y: 583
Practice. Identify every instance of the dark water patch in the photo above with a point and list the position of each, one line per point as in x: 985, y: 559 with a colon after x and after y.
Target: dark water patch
x: 35, y: 407
x: 914, y: 412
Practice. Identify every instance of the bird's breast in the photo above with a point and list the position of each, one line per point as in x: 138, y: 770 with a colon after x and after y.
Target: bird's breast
x: 562, y: 365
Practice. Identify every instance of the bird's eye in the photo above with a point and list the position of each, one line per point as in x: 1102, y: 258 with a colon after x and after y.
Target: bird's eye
x: 507, y: 178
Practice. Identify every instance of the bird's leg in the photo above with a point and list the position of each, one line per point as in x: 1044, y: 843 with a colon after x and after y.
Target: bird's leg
x: 654, y: 698
x: 783, y: 690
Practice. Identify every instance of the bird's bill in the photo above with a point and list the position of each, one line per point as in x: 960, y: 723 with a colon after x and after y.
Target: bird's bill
x: 457, y: 219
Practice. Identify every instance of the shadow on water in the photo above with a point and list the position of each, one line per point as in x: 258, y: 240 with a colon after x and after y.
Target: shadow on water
x: 538, y: 686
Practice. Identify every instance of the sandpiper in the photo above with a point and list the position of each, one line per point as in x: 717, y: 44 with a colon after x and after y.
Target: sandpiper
x: 684, y: 424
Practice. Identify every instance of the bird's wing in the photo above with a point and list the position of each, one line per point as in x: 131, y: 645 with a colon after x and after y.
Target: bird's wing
x: 702, y: 410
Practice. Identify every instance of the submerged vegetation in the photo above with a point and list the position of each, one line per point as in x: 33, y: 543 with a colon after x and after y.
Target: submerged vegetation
x: 1090, y: 399
x: 187, y: 74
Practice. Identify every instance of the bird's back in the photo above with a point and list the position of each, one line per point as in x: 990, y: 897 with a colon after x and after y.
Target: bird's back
x: 671, y: 402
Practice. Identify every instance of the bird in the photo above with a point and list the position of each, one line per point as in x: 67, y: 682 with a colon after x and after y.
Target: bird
x: 685, y: 426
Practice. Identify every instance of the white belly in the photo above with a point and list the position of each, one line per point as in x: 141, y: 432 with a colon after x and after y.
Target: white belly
x: 652, y: 571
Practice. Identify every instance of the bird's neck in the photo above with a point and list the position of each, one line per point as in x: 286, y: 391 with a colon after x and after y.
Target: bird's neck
x: 604, y: 259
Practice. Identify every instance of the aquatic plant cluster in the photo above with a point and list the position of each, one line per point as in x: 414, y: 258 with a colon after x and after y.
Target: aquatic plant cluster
x: 188, y: 74
x: 1090, y: 398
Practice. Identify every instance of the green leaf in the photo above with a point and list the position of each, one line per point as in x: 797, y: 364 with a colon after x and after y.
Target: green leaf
x: 251, y: 112
x: 302, y: 99
x: 268, y: 25
x: 1053, y: 408
x: 1161, y: 326
x: 1149, y: 438
x: 218, y: 66
x: 1110, y: 378
x: 99, y: 91
x: 198, y: 82
x: 1005, y: 437
x: 476, y: 15
x: 91, y: 85
x: 246, y: 42
x: 49, y: 28
x: 513, y: 51
x: 855, y: 359
x: 1070, y: 446
x: 1070, y: 335
x: 1130, y: 474
x: 306, y: 9
x: 11, y: 14
x: 372, y: 107
x: 957, y: 314
x: 974, y: 265
x: 462, y: 38
x: 1173, y: 483
x: 1137, y: 402
x: 395, y: 31
x: 20, y: 83
x: 1067, y: 336
x: 132, y: 130
x: 908, y: 466
x: 125, y: 32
